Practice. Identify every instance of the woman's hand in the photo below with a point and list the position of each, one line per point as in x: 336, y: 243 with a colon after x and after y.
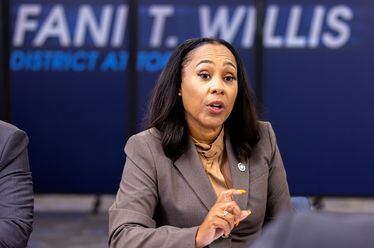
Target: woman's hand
x: 221, y: 218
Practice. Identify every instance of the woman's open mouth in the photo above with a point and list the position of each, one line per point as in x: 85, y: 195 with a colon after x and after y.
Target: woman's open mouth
x: 216, y: 107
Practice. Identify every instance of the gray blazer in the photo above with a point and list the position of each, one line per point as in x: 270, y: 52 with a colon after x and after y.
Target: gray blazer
x: 16, y: 192
x: 161, y: 203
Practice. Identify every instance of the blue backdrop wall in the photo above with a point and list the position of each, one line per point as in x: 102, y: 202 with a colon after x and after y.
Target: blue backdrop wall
x: 319, y: 96
x: 72, y: 78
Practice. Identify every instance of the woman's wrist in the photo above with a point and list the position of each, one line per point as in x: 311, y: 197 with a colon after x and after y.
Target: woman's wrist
x: 198, y: 243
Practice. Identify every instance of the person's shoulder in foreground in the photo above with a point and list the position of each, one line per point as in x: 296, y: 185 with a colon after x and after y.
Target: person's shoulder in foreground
x: 323, y: 230
x: 16, y: 189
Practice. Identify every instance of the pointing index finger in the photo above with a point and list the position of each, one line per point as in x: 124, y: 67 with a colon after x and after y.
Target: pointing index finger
x: 226, y: 195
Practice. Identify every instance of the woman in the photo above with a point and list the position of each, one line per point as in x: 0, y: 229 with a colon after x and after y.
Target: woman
x: 206, y: 172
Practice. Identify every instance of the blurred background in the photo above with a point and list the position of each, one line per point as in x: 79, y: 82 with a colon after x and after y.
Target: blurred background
x: 76, y: 76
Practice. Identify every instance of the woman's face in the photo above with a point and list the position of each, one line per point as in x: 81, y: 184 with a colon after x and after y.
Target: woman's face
x: 209, y: 86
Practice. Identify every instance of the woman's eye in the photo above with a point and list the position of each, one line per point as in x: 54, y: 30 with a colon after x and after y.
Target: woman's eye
x: 229, y: 78
x: 204, y: 75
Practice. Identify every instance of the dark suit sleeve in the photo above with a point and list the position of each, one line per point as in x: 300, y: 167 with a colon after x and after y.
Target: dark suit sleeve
x: 131, y: 221
x: 16, y: 193
x: 279, y: 199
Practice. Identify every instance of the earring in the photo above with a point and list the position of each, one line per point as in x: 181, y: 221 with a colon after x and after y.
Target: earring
x: 179, y: 93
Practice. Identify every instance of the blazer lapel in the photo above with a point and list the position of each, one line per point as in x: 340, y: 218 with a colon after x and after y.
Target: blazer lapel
x: 240, y: 179
x: 189, y: 165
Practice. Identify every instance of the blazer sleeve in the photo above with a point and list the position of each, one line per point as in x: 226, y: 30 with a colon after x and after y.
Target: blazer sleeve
x: 16, y: 192
x: 131, y: 222
x: 279, y: 199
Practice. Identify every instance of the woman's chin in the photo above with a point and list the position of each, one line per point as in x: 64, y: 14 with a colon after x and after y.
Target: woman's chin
x: 206, y: 122
x: 213, y: 124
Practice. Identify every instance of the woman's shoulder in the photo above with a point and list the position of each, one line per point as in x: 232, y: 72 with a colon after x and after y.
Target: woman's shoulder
x: 263, y: 125
x: 265, y: 129
x: 148, y: 134
x: 147, y: 138
x: 145, y: 145
x: 267, y: 135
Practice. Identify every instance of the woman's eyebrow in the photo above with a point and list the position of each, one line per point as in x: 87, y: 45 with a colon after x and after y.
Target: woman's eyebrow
x: 205, y: 61
x: 229, y: 64
x: 211, y: 62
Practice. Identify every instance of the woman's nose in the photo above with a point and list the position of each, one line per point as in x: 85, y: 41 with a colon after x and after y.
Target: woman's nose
x: 217, y: 87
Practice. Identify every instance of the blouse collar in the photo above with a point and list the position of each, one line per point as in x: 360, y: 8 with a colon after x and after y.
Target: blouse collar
x: 213, y: 150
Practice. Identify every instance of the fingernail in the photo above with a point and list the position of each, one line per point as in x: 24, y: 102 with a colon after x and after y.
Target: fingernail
x: 242, y: 190
x: 249, y: 211
x: 237, y: 223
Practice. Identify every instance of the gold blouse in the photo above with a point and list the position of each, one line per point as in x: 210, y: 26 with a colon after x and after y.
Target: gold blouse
x: 214, y: 160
